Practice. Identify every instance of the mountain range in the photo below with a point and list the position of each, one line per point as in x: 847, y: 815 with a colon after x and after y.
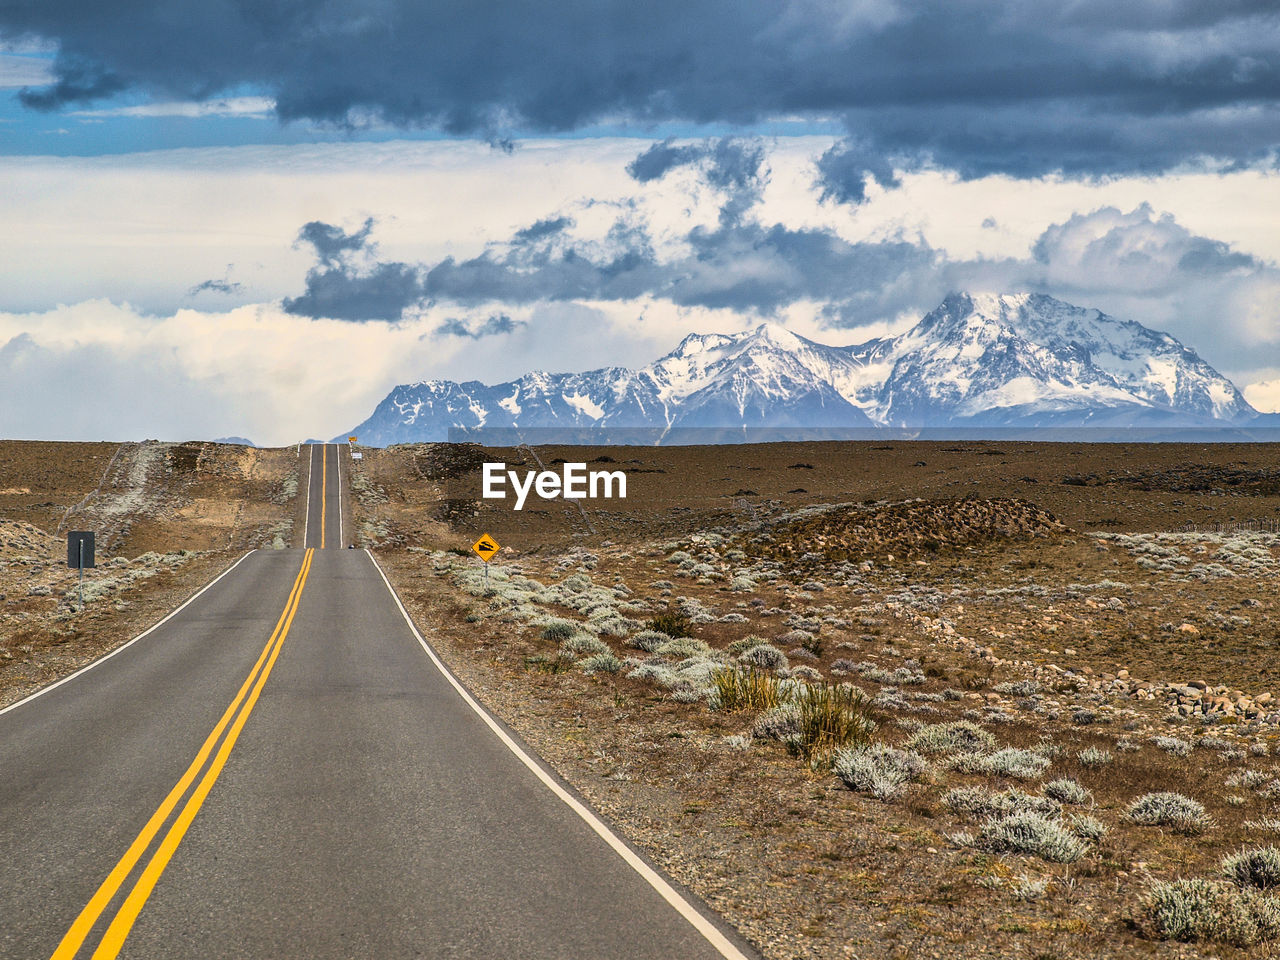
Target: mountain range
x: 979, y: 364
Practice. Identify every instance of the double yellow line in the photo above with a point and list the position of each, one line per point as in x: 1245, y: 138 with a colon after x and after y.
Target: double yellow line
x: 235, y: 716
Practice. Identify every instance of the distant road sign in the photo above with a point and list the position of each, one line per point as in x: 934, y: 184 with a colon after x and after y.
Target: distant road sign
x: 80, y: 549
x: 486, y: 546
x: 351, y: 439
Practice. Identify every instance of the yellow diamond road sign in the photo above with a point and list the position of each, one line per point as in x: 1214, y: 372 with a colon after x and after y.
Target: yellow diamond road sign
x: 351, y: 439
x: 486, y: 546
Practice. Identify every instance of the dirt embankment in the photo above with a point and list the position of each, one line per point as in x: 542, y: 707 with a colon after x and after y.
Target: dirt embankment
x: 1109, y: 645
x: 166, y: 518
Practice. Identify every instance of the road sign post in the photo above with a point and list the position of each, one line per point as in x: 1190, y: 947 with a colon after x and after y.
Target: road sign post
x: 80, y: 554
x: 485, y: 548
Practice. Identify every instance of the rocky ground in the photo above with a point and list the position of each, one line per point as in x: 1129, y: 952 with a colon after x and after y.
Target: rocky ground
x: 896, y: 700
x: 166, y: 517
x: 1074, y: 725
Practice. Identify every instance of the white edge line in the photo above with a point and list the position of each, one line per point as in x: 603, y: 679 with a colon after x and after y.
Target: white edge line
x: 124, y: 646
x: 682, y: 906
x: 338, y: 451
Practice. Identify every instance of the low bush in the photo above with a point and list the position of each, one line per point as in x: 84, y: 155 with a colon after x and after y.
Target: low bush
x: 1093, y: 757
x: 1009, y: 762
x: 672, y: 623
x: 1031, y: 833
x: 1171, y: 810
x: 682, y: 647
x: 879, y: 770
x: 558, y: 631
x: 1194, y: 910
x: 584, y: 643
x: 765, y: 656
x: 1087, y: 828
x: 1067, y: 790
x: 831, y: 717
x: 958, y: 736
x: 778, y: 723
x: 1258, y: 868
x: 648, y: 640
x: 603, y: 662
x: 1179, y: 748
x: 736, y: 689
x: 979, y: 803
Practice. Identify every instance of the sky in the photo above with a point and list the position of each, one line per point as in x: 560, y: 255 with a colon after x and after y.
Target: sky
x: 239, y: 218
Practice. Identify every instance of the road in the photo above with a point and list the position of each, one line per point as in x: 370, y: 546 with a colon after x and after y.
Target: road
x: 282, y: 769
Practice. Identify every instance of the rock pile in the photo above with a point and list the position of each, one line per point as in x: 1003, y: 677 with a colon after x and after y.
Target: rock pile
x: 904, y: 530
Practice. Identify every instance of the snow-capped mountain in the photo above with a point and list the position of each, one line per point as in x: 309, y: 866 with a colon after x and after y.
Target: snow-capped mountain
x: 978, y: 361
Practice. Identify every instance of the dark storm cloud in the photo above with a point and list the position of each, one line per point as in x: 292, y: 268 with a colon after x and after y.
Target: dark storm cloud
x: 78, y: 81
x: 382, y: 292
x: 661, y: 158
x: 845, y: 169
x: 543, y: 228
x: 1015, y: 86
x: 744, y: 267
x: 333, y: 243
x: 734, y: 165
x: 495, y: 324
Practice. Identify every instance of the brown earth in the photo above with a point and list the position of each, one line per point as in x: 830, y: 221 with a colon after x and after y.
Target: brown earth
x: 1045, y: 592
x: 1006, y: 571
x: 167, y: 518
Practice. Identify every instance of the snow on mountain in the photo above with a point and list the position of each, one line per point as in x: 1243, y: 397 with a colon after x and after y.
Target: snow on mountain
x: 978, y: 360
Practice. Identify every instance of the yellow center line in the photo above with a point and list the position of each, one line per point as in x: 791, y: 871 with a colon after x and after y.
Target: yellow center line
x: 324, y: 480
x: 75, y: 936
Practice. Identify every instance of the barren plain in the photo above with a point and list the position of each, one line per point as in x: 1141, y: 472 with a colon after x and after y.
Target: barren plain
x: 867, y: 700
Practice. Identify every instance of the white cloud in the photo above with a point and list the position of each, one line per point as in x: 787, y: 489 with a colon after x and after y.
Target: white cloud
x: 17, y: 70
x: 99, y: 370
x: 1264, y: 395
x: 146, y: 228
x: 220, y: 107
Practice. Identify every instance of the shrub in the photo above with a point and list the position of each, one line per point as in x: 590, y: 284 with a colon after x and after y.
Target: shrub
x: 778, y: 723
x: 1087, y: 828
x: 1031, y: 833
x: 1191, y: 910
x: 682, y: 647
x: 584, y: 643
x: 1171, y: 810
x: 1258, y: 868
x: 1018, y: 688
x: 736, y: 689
x: 648, y: 640
x: 979, y: 803
x: 958, y: 736
x: 831, y: 717
x: 1009, y: 762
x: 1093, y: 757
x: 1067, y: 790
x: 558, y: 631
x: 1179, y: 748
x: 765, y: 656
x: 1083, y: 717
x: 879, y: 770
x: 603, y: 662
x: 672, y: 623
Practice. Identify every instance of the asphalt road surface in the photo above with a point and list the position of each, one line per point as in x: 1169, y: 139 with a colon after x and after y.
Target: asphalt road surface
x: 283, y: 770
